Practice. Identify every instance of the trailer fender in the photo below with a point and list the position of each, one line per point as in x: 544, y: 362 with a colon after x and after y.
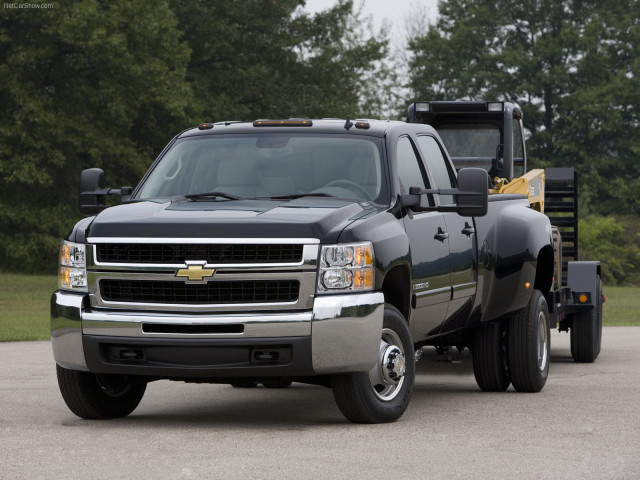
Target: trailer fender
x: 582, y: 277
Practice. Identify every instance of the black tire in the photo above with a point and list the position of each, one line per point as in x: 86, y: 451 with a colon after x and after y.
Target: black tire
x: 528, y: 345
x: 98, y: 397
x: 383, y: 394
x: 280, y: 383
x: 586, y: 330
x: 489, y: 354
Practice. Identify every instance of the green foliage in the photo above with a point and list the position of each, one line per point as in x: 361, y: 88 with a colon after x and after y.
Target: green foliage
x: 613, y: 241
x: 87, y: 84
x: 572, y: 65
x: 267, y: 59
x: 95, y: 83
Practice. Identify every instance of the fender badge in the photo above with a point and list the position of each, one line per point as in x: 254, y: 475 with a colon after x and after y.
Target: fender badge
x: 195, y: 272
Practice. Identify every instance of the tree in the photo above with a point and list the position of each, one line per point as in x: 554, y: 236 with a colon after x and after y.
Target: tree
x: 572, y: 65
x: 99, y: 83
x: 87, y: 84
x: 268, y: 59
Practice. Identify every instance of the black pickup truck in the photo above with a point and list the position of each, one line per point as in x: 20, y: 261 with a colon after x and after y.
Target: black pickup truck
x: 319, y: 251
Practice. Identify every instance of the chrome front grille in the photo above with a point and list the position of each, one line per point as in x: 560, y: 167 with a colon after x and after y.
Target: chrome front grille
x: 172, y: 253
x: 211, y: 293
x: 148, y: 274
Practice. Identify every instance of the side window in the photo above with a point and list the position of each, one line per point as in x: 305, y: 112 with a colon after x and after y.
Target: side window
x: 518, y: 149
x: 409, y: 170
x: 437, y: 165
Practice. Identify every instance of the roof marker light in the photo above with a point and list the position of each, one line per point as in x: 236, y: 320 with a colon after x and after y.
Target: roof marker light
x: 495, y: 107
x: 422, y: 107
x: 283, y: 123
x: 205, y: 126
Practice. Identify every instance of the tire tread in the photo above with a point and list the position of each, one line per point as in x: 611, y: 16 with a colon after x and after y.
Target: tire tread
x: 522, y: 342
x: 84, y: 397
x: 488, y: 360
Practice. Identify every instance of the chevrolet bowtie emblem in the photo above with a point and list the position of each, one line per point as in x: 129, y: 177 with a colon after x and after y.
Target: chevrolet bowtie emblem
x: 195, y: 271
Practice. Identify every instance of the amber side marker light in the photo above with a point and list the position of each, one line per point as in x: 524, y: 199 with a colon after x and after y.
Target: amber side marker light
x: 583, y: 298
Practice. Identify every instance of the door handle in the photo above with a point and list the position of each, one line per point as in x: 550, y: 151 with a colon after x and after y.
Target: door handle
x: 468, y: 229
x: 441, y: 235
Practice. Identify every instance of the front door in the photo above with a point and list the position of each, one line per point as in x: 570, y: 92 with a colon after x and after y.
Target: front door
x: 461, y: 237
x: 429, y: 245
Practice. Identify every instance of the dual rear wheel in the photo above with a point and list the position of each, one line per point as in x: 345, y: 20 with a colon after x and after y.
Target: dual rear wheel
x: 516, y: 351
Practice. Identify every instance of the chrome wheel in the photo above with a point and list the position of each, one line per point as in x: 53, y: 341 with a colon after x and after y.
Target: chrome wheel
x: 387, y: 376
x: 383, y: 393
x: 543, y: 342
x: 529, y: 344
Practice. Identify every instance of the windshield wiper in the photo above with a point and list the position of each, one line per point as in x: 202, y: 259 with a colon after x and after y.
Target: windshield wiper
x: 196, y: 196
x: 299, y: 195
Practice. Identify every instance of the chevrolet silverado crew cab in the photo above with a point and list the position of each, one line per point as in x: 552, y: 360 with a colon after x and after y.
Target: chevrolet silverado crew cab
x: 320, y: 251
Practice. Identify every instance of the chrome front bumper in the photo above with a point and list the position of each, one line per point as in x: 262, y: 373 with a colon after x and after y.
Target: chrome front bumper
x: 345, y: 330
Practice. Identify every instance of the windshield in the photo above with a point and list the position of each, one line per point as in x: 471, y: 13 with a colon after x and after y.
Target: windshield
x: 269, y: 165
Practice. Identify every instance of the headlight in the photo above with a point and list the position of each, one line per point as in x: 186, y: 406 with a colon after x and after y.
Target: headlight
x: 72, y: 270
x: 346, y: 267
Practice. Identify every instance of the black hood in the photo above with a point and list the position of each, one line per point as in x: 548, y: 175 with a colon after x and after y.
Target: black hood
x: 321, y: 218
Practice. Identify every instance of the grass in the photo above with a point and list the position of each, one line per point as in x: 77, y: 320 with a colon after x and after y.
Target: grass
x: 622, y: 307
x: 24, y: 306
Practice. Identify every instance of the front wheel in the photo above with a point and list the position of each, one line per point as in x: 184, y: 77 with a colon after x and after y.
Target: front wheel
x: 528, y: 345
x: 381, y: 395
x: 95, y: 397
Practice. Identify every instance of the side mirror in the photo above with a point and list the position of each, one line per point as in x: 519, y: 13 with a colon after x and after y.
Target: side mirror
x: 473, y: 194
x: 93, y: 192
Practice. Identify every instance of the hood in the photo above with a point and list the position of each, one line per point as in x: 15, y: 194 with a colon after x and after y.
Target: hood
x: 321, y: 218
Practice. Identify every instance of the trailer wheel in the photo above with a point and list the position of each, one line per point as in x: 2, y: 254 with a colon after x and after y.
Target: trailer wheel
x: 381, y: 395
x: 528, y: 345
x: 489, y: 355
x: 586, y: 330
x: 96, y: 397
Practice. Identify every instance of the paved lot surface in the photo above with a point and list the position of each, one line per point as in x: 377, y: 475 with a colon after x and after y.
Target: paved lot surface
x: 585, y: 424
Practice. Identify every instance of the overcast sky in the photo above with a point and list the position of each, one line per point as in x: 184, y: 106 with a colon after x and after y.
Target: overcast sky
x: 395, y: 11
